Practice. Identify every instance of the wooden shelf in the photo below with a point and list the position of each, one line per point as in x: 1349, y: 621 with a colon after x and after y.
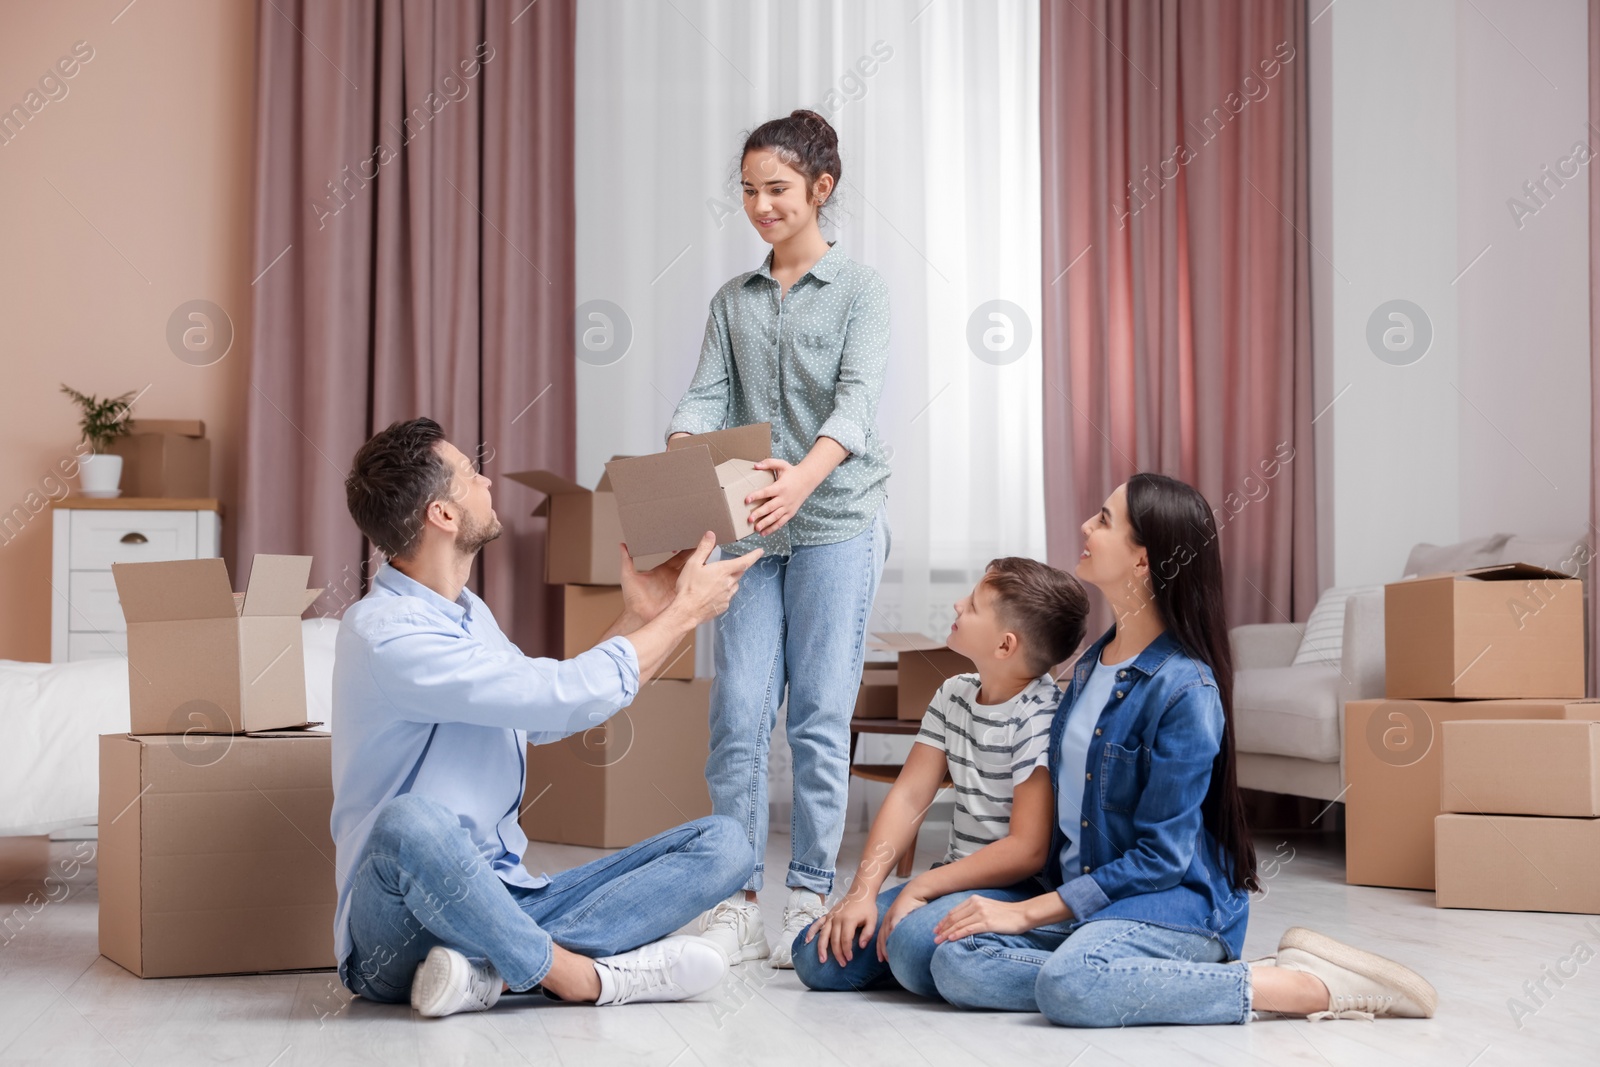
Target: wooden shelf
x: 141, y: 503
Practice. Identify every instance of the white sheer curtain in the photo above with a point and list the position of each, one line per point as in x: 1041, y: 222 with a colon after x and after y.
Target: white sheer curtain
x: 936, y: 105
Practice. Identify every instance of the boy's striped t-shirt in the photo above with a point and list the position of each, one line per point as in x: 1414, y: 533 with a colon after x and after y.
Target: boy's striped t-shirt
x: 990, y: 749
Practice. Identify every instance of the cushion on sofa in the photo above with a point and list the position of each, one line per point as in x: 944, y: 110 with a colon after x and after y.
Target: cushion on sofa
x: 1288, y: 711
x: 1464, y: 555
x: 1324, y: 637
x: 1569, y: 555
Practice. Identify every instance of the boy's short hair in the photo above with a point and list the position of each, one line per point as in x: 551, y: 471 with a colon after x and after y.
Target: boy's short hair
x: 1045, y: 606
x: 393, y: 479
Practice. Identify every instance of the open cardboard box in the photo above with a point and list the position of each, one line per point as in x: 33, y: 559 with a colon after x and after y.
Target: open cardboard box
x: 165, y: 458
x: 203, y: 659
x: 1491, y: 633
x: 922, y: 664
x: 581, y: 545
x: 667, y: 501
x: 215, y: 855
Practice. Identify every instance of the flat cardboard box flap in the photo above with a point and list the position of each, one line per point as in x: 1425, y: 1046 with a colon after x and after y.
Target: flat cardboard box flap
x: 278, y: 586
x: 180, y: 427
x: 897, y: 641
x: 753, y: 442
x: 547, y: 482
x: 174, y: 590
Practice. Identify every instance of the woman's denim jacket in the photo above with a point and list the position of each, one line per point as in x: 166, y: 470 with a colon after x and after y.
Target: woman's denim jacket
x: 1144, y: 852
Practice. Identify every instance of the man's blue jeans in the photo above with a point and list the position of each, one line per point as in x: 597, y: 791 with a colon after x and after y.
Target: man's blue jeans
x: 799, y: 621
x: 910, y: 947
x: 420, y: 883
x: 1110, y: 972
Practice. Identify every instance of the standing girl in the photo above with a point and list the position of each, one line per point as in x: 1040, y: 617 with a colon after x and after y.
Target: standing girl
x: 1151, y: 858
x: 801, y: 343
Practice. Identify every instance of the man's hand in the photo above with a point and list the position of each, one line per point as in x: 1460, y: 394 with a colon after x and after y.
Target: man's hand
x: 704, y: 590
x: 839, y: 928
x: 646, y: 593
x: 907, y: 902
x: 778, y: 502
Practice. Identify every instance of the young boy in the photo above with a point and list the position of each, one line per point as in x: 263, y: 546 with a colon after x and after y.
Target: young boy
x: 990, y: 731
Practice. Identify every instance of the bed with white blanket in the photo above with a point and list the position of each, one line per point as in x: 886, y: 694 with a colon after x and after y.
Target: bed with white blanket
x: 52, y: 716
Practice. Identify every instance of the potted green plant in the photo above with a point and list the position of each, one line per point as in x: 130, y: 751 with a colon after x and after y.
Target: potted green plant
x: 102, y: 421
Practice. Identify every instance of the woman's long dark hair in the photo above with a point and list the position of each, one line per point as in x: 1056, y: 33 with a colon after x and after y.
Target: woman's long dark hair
x: 1175, y: 526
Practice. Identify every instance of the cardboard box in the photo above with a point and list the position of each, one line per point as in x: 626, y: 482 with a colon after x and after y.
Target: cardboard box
x: 589, y: 612
x: 879, y: 695
x: 1511, y: 630
x: 1518, y: 863
x: 638, y: 773
x: 202, y: 659
x: 1517, y: 767
x: 666, y: 502
x: 165, y: 458
x: 922, y: 664
x: 581, y: 542
x: 215, y: 855
x: 1393, y: 764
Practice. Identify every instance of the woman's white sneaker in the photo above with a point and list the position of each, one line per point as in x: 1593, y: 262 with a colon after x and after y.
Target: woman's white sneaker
x: 674, y: 968
x: 447, y: 982
x: 804, y: 908
x: 1361, y: 984
x: 736, y: 928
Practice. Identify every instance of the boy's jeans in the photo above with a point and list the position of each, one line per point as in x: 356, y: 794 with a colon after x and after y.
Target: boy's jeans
x: 800, y: 620
x: 420, y: 883
x: 910, y: 948
x: 1110, y: 972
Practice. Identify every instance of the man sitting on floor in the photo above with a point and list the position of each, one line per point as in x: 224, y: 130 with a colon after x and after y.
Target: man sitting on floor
x: 434, y: 709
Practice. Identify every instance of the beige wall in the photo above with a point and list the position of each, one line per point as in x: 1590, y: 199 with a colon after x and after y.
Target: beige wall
x: 119, y: 201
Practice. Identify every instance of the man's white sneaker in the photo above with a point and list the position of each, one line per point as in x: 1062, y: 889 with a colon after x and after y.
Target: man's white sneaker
x: 447, y: 982
x: 674, y: 968
x: 804, y: 908
x: 735, y: 927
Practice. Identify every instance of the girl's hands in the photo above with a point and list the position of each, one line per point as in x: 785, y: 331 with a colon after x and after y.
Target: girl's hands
x: 838, y: 928
x: 780, y: 500
x: 983, y: 915
x: 907, y: 902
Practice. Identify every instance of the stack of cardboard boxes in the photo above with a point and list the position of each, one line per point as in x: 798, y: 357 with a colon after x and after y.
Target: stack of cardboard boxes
x: 1500, y: 646
x: 637, y: 772
x: 215, y: 855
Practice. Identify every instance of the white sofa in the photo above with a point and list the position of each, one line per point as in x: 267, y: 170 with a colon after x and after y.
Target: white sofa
x: 1289, y: 720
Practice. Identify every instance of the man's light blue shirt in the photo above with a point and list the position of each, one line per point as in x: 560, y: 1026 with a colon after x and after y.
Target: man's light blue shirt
x: 430, y: 697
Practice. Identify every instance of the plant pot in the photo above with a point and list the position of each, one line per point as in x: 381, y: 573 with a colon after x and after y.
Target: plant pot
x: 99, y: 475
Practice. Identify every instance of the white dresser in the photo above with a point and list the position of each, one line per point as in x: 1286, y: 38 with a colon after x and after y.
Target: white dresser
x: 90, y: 535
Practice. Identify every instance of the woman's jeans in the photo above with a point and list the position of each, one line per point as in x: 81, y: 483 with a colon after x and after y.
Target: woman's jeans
x: 421, y: 883
x: 910, y: 948
x: 1111, y: 972
x: 799, y: 621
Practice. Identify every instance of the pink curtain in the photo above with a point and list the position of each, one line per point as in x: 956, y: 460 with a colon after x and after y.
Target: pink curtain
x: 414, y: 243
x: 1177, y: 292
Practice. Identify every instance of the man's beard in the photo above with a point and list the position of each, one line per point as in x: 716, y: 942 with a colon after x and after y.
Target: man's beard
x: 473, y: 536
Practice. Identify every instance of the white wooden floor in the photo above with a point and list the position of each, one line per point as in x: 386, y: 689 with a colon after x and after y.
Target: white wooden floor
x: 60, y: 1003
